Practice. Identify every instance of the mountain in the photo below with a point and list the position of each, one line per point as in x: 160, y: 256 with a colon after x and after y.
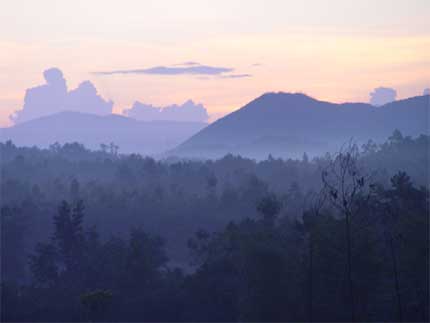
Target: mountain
x: 132, y: 136
x: 286, y: 125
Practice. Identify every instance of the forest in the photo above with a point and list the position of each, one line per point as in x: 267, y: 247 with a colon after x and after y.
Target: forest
x: 96, y: 235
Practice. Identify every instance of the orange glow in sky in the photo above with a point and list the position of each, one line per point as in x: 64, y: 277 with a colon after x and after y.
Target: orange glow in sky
x: 329, y: 53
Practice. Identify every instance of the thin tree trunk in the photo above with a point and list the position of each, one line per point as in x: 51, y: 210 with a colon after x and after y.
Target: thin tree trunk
x: 349, y: 264
x: 396, y: 280
x: 310, y: 279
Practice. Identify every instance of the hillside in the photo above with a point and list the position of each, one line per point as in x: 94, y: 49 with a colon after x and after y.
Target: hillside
x: 132, y: 136
x: 286, y: 125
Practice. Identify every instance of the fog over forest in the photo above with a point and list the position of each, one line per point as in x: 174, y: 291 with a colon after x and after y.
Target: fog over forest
x: 97, y: 235
x: 214, y: 161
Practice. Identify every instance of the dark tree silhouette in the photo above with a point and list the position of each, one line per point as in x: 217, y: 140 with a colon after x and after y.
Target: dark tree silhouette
x: 348, y: 188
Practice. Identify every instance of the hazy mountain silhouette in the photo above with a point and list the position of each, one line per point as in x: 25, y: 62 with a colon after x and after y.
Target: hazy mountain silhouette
x: 284, y: 124
x: 281, y: 124
x: 132, y: 136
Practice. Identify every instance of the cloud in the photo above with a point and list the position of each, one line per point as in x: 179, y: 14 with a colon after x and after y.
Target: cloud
x: 235, y: 76
x: 189, y: 111
x: 174, y: 70
x: 85, y: 99
x: 189, y: 63
x: 53, y: 97
x: 426, y: 91
x: 382, y: 95
x: 256, y: 64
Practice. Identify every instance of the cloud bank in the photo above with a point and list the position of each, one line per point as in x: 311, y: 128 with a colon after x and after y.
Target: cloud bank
x: 382, y: 95
x: 53, y: 97
x: 426, y: 91
x: 188, y: 68
x: 189, y: 111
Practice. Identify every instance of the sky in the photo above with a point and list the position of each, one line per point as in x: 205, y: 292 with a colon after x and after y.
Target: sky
x: 220, y: 53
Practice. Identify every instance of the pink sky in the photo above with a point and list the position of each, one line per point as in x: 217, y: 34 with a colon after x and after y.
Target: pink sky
x: 332, y: 54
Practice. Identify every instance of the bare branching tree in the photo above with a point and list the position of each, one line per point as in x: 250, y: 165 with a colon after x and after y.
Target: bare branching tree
x: 349, y: 188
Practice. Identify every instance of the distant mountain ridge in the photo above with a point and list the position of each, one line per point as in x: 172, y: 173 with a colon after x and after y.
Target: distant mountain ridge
x: 132, y: 136
x: 281, y: 124
x: 286, y: 125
